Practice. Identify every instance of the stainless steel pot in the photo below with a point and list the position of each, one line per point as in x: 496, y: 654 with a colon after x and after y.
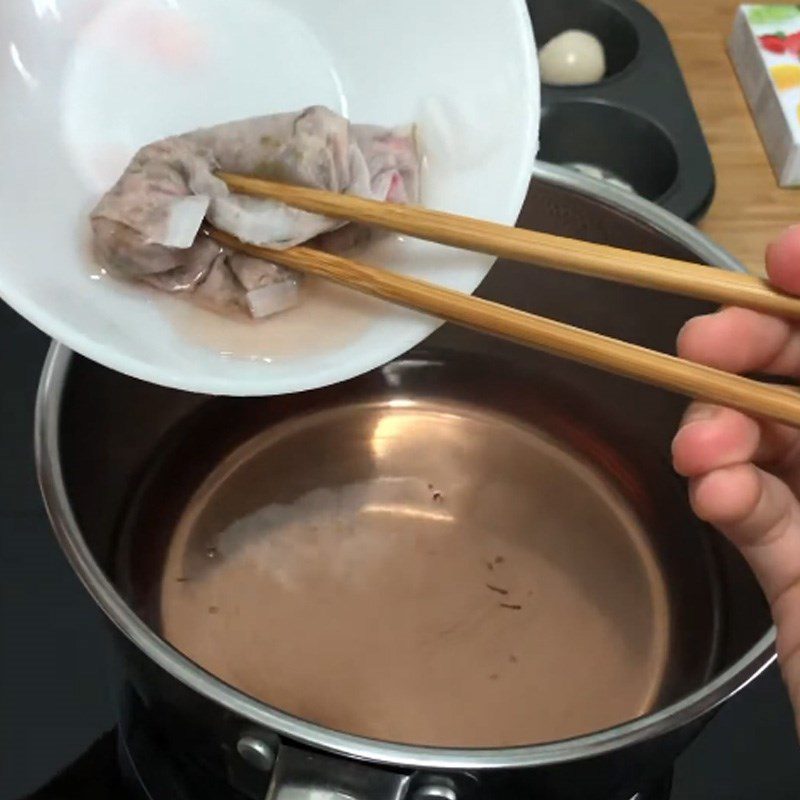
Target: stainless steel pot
x: 97, y: 432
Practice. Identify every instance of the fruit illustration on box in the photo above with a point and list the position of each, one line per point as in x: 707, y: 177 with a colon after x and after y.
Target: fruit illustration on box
x: 765, y: 50
x: 786, y: 76
x: 765, y: 15
x: 781, y: 44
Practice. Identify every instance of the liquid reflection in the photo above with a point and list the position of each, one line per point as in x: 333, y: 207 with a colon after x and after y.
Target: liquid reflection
x: 46, y: 8
x: 19, y: 66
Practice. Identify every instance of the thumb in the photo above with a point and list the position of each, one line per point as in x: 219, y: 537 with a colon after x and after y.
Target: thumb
x: 783, y: 261
x: 761, y: 516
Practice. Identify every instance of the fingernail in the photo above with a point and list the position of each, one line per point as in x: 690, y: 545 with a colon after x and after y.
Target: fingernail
x: 700, y: 412
x: 692, y: 322
x: 770, y: 251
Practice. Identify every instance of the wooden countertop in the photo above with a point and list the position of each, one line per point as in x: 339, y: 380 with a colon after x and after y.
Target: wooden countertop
x: 749, y: 209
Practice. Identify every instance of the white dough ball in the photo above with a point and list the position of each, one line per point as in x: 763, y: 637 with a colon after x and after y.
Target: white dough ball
x: 572, y: 58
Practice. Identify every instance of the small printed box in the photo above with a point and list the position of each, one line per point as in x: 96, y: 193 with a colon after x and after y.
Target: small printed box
x: 765, y: 50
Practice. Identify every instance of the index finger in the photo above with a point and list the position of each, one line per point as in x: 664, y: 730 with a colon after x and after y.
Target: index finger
x: 741, y: 340
x: 783, y: 261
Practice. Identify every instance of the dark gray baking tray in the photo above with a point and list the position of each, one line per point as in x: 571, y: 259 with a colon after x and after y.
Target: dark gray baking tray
x: 639, y: 121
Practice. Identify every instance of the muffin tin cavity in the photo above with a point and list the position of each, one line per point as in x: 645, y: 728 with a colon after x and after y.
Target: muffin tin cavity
x: 638, y: 123
x: 615, y: 31
x: 623, y: 143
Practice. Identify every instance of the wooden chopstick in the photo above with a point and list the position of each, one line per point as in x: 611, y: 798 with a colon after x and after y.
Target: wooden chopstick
x: 546, y: 250
x: 612, y: 355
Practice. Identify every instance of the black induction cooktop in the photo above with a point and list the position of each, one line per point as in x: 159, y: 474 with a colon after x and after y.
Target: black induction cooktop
x: 57, y: 683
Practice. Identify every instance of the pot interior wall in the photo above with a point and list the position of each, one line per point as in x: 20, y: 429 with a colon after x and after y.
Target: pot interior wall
x: 120, y: 437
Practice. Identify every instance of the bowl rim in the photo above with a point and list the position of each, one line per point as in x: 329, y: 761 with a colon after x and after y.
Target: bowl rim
x: 67, y: 531
x: 401, y: 333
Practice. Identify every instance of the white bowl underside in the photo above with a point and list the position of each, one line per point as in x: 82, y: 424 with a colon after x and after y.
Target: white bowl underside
x: 86, y: 82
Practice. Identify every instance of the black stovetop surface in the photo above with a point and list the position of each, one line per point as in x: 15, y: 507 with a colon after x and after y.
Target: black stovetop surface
x: 56, y: 680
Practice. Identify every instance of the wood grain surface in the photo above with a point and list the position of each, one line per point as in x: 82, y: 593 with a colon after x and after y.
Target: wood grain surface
x: 749, y: 208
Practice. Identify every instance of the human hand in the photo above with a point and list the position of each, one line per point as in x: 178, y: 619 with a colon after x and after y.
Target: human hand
x: 744, y: 475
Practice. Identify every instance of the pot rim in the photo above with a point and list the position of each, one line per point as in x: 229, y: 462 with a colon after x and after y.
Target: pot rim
x: 68, y: 534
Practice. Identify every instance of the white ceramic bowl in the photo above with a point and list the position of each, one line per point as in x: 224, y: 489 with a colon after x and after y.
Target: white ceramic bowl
x: 84, y: 83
